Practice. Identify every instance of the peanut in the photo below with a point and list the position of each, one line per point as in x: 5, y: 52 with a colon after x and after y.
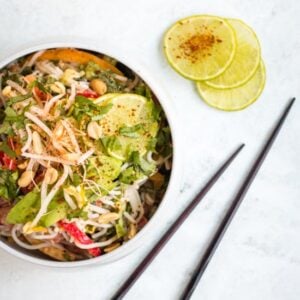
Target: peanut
x: 25, y: 178
x: 37, y: 143
x: 51, y: 175
x: 98, y: 86
x: 58, y: 131
x: 58, y: 87
x: 94, y: 130
x: 71, y: 156
x: 23, y: 165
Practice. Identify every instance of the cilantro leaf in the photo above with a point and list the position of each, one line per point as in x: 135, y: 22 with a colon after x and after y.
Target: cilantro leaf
x: 19, y: 98
x: 6, y: 149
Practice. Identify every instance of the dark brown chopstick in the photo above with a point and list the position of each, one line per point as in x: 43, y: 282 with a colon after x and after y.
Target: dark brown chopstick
x: 233, y: 208
x: 122, y: 291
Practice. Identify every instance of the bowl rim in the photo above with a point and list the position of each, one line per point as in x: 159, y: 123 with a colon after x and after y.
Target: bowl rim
x: 175, y: 178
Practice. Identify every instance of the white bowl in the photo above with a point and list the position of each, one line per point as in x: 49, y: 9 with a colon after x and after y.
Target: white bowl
x: 174, y: 184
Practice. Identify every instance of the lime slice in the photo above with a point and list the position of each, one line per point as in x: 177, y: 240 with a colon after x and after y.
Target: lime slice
x: 235, y: 98
x: 128, y: 111
x: 120, y: 154
x: 245, y: 61
x: 200, y: 47
x: 106, y: 97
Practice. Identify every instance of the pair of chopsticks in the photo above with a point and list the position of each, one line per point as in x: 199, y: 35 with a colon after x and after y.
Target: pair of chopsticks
x: 201, y: 267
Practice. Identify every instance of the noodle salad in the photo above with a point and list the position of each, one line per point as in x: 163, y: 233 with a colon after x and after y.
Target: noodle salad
x: 85, y: 153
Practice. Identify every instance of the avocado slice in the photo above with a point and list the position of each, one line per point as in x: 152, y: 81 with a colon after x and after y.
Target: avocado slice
x: 25, y: 209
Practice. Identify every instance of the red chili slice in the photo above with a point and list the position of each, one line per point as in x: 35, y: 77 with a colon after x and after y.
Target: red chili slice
x: 79, y: 236
x: 88, y: 94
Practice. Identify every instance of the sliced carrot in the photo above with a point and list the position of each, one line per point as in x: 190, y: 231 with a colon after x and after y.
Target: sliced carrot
x: 77, y: 56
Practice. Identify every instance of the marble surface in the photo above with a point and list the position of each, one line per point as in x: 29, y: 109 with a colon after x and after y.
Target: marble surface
x: 259, y: 258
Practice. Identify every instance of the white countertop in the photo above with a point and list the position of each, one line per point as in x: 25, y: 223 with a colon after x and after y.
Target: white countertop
x: 259, y: 258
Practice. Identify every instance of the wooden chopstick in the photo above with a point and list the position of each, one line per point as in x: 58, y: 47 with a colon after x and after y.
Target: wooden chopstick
x: 122, y: 291
x: 200, y: 269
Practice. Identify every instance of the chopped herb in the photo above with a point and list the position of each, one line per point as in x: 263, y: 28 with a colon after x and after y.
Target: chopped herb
x: 6, y: 128
x: 130, y: 175
x: 146, y: 167
x: 6, y: 149
x: 92, y: 70
x: 78, y: 213
x: 19, y: 98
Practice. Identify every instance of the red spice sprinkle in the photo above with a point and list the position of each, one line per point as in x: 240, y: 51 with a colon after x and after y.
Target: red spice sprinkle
x: 199, y: 45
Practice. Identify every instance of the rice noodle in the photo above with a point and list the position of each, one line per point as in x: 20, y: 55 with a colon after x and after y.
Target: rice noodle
x: 72, y: 96
x: 29, y: 138
x: 99, y: 234
x: 168, y: 164
x: 33, y: 59
x: 36, y: 110
x: 98, y: 209
x: 38, y: 122
x: 49, y: 68
x: 71, y: 135
x: 48, y: 158
x: 133, y: 84
x: 107, y: 201
x: 124, y: 167
x: 96, y: 245
x: 93, y: 223
x: 93, y: 215
x: 148, y: 199
x: 121, y: 78
x: 30, y: 165
x: 44, y: 164
x: 132, y: 196
x: 45, y: 202
x: 141, y: 213
x: 44, y: 189
x: 69, y: 200
x: 149, y: 158
x: 16, y: 86
x: 85, y: 156
x: 25, y: 245
x: 43, y: 236
x: 50, y: 103
x: 129, y: 217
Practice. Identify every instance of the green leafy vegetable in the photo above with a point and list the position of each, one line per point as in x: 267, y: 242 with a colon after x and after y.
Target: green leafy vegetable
x: 85, y: 107
x: 146, y: 167
x: 120, y: 228
x: 91, y: 69
x: 8, y: 184
x: 111, y: 143
x: 130, y: 175
x: 131, y: 131
x: 78, y: 213
x: 6, y: 128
